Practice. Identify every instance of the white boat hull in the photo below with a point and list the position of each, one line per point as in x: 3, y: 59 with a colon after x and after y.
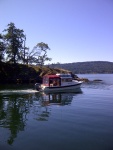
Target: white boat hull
x: 61, y: 88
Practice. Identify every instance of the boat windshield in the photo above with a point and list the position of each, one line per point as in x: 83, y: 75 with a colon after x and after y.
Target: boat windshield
x: 65, y: 75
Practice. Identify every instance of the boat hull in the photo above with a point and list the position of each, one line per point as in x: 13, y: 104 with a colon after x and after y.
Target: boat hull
x: 65, y: 88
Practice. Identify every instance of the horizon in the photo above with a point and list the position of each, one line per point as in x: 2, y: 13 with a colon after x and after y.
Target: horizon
x: 79, y: 62
x: 75, y: 31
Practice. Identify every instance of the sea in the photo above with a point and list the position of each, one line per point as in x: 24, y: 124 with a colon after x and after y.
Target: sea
x: 81, y: 120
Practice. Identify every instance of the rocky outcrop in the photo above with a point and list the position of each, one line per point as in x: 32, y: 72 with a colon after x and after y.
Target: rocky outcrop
x: 82, y: 79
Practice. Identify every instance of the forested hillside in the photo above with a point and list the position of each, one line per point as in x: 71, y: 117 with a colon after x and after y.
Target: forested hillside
x: 86, y: 67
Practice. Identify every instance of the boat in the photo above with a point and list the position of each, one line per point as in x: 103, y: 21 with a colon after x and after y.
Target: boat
x: 57, y: 83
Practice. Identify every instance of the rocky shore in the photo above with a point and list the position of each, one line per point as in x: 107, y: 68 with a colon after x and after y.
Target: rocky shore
x: 19, y: 73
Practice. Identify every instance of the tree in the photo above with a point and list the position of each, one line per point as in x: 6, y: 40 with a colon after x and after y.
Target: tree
x: 14, y: 40
x: 39, y: 54
x: 24, y: 52
x: 2, y: 47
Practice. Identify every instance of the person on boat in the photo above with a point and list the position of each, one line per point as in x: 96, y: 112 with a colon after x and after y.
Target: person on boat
x: 51, y: 82
x: 54, y: 83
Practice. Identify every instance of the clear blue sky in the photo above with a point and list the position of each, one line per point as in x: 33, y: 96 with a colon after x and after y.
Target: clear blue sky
x: 75, y: 30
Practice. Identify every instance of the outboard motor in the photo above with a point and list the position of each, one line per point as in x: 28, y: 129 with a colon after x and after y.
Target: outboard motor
x: 37, y: 86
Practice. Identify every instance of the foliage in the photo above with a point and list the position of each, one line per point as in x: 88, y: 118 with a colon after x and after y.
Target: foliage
x: 14, y: 39
x: 13, y: 51
x: 2, y: 47
x: 13, y: 47
x: 38, y: 55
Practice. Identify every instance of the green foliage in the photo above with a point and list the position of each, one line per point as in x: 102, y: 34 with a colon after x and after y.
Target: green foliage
x: 2, y: 47
x: 38, y: 55
x: 14, y: 40
x: 12, y: 45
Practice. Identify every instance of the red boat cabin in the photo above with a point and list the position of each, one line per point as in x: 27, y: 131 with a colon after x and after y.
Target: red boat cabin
x: 52, y: 80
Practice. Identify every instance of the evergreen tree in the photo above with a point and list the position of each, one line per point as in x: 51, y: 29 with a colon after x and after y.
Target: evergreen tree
x: 2, y: 48
x: 14, y: 40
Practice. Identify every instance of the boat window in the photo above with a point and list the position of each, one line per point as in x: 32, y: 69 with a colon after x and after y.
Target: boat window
x: 64, y: 75
x: 45, y: 81
x: 54, y: 82
x: 63, y: 80
x: 67, y: 80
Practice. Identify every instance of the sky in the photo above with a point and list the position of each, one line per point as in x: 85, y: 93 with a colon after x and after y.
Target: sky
x: 75, y: 30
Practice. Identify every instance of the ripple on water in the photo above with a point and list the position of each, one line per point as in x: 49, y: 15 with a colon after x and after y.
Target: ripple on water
x: 98, y: 85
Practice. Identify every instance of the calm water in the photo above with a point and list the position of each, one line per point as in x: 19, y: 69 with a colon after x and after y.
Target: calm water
x: 77, y: 121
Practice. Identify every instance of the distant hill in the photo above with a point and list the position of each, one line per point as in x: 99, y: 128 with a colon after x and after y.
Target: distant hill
x: 86, y: 67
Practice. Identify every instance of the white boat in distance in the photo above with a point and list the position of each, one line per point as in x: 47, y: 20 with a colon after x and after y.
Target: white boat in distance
x: 58, y: 83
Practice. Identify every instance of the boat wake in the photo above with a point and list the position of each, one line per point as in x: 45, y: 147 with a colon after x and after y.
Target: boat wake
x: 26, y: 91
x: 98, y: 85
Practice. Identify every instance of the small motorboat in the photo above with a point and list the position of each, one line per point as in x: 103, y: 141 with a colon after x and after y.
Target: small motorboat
x: 57, y: 83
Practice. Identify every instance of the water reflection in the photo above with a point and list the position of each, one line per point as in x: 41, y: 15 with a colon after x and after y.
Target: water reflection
x: 13, y: 111
x: 16, y: 108
x: 57, y: 98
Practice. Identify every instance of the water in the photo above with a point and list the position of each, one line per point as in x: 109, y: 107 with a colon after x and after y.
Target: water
x: 77, y: 121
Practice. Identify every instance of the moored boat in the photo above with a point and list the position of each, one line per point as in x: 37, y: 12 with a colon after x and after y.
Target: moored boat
x: 58, y: 82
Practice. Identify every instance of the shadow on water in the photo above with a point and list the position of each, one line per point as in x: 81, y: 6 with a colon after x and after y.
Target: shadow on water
x: 17, y: 105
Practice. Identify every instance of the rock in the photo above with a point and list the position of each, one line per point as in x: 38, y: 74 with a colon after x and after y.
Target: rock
x: 97, y: 80
x: 82, y: 79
